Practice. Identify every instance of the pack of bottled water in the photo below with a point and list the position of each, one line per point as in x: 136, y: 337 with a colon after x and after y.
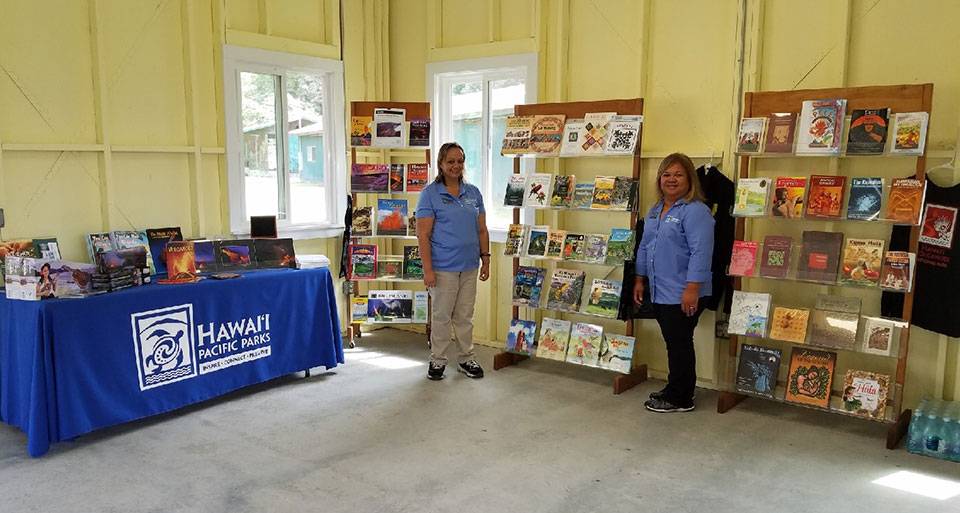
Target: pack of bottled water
x: 935, y: 429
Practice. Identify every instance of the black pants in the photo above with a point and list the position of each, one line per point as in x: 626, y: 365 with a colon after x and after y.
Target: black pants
x: 677, y: 329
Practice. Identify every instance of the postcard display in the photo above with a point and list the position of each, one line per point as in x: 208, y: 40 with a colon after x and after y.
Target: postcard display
x: 386, y: 214
x: 571, y: 130
x: 821, y: 336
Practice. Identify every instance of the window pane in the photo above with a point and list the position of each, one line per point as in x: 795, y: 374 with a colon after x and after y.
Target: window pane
x: 504, y: 94
x: 263, y: 185
x: 308, y: 198
x: 466, y: 127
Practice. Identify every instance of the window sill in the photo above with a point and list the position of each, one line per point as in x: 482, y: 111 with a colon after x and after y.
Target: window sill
x: 301, y: 232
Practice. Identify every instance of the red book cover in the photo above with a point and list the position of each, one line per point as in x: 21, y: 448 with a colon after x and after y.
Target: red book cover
x: 743, y: 259
x: 417, y: 177
x: 181, y: 266
x: 825, y: 196
x: 775, y: 260
x: 781, y: 129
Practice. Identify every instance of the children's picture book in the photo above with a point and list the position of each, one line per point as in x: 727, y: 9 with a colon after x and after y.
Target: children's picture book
x: 412, y: 263
x: 134, y: 239
x: 623, y: 132
x: 574, y: 132
x: 750, y: 140
x: 421, y: 306
x: 897, y: 271
x: 389, y: 126
x: 419, y: 133
x: 97, y: 243
x: 905, y: 201
x: 204, y: 256
x: 748, y: 313
x: 389, y: 267
x: 582, y: 196
x: 520, y: 337
x: 821, y: 127
x: 362, y: 222
x: 787, y: 200
x: 868, y: 131
x: 391, y: 217
x: 620, y: 246
x: 810, y: 376
x: 516, y: 235
x: 865, y: 393
x: 743, y: 259
x: 584, y: 345
x: 418, y: 176
x: 158, y: 239
x: 877, y: 336
x: 64, y: 279
x: 527, y: 285
x: 624, y: 196
x: 516, y: 139
x: 555, y: 240
x: 390, y: 307
x: 554, y: 337
x: 181, y: 266
x: 574, y: 247
x: 562, y: 195
x: 235, y: 255
x: 604, y: 298
x: 363, y: 261
x: 820, y: 256
x: 825, y: 196
x: 938, y: 226
x: 596, y: 248
x: 616, y: 353
x: 595, y: 138
x: 603, y: 192
x: 757, y: 370
x: 516, y: 185
x: 566, y: 289
x: 396, y: 177
x: 275, y: 253
x: 546, y: 134
x: 359, y: 313
x: 48, y: 248
x: 751, y: 197
x: 537, y: 243
x: 360, y: 130
x: 370, y: 178
x: 862, y: 262
x: 538, y: 190
x: 789, y: 324
x: 775, y: 259
x: 781, y: 130
x: 909, y: 133
x: 866, y: 197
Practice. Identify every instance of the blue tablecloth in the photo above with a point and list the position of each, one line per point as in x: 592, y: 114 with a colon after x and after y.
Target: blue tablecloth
x: 70, y: 366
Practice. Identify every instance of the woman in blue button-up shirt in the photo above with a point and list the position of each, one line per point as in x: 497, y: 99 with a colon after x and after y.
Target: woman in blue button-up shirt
x: 675, y: 254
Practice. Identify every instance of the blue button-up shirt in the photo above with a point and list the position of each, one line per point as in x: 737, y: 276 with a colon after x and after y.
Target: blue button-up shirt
x: 676, y: 249
x: 455, y: 239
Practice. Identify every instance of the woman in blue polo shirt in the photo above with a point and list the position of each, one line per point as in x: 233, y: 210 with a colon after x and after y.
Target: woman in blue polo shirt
x: 455, y: 251
x: 675, y: 254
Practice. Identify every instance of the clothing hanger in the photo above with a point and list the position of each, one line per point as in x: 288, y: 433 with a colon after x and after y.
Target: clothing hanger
x: 946, y: 165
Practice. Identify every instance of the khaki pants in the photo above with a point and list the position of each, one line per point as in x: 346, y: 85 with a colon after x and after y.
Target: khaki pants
x: 453, y: 299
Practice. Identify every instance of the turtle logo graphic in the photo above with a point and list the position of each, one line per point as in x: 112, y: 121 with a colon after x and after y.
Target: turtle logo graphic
x: 165, y: 347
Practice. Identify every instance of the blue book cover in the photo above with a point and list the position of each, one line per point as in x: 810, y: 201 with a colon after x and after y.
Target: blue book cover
x: 133, y: 239
x: 527, y: 286
x: 99, y: 243
x: 521, y: 336
x: 866, y: 195
x: 391, y: 217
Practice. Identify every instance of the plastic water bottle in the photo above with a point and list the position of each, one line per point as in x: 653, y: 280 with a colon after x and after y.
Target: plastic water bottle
x: 916, y: 428
x: 953, y: 441
x: 933, y: 442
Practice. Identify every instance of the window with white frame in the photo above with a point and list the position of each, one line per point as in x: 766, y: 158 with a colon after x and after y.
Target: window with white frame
x: 286, y: 141
x: 471, y: 101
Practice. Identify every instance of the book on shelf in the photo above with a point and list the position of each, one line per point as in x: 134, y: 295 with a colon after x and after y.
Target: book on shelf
x: 516, y: 235
x: 158, y: 239
x: 537, y: 190
x: 574, y: 247
x: 516, y: 186
x: 834, y: 321
x: 821, y: 127
x: 623, y: 132
x: 624, y: 195
x: 751, y: 197
x: 234, y: 255
x: 897, y: 274
x: 520, y: 336
x: 363, y: 261
x: 389, y: 126
x: 392, y: 217
x: 584, y: 345
x: 359, y: 312
x: 419, y: 133
x: 181, y: 266
x: 810, y: 376
x: 546, y: 134
x: 909, y: 133
x: 938, y: 226
x: 554, y: 337
x: 396, y: 177
x: 274, y: 253
x: 748, y: 313
x: 555, y: 240
x: 361, y: 224
x: 389, y: 306
x: 604, y: 298
x: 582, y: 195
x: 620, y: 246
x: 205, y: 256
x: 743, y: 259
x: 788, y: 195
x: 537, y: 241
x: 412, y: 224
x: 750, y: 138
x: 906, y: 200
x: 566, y: 289
x: 846, y: 304
x: 789, y: 324
x: 97, y: 243
x: 412, y: 263
x: 360, y: 131
x: 866, y: 197
x: 825, y: 196
x: 775, y: 259
x: 865, y: 393
x: 616, y: 353
x: 562, y: 195
x: 868, y: 131
x: 527, y: 286
x: 123, y: 239
x: 757, y: 370
x: 819, y: 256
x: 877, y: 336
x: 418, y: 176
x: 595, y: 251
x: 389, y: 267
x: 603, y: 192
x: 596, y: 125
x: 421, y: 306
x: 370, y: 178
x: 862, y: 262
x: 574, y: 132
x: 516, y: 139
x: 49, y: 248
x: 781, y: 132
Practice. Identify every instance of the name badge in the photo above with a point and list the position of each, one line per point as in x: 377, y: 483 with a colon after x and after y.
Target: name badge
x: 470, y: 201
x: 671, y: 219
x: 447, y: 201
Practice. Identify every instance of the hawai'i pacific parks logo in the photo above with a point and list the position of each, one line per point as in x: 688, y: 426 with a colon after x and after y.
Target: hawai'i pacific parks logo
x: 166, y: 352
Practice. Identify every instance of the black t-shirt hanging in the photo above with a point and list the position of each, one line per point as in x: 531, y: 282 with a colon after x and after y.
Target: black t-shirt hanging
x: 719, y: 193
x: 936, y: 287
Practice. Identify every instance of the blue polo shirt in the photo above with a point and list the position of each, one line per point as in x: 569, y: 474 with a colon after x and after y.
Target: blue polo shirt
x: 675, y: 250
x: 455, y: 240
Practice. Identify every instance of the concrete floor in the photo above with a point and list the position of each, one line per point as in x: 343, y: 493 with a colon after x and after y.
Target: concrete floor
x: 543, y: 436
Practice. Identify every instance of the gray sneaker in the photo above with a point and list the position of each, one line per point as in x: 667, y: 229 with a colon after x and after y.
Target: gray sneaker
x: 662, y: 406
x: 471, y: 368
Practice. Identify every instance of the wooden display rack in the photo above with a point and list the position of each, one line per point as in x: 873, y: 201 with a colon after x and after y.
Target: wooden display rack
x: 899, y: 98
x: 575, y: 110
x: 413, y: 110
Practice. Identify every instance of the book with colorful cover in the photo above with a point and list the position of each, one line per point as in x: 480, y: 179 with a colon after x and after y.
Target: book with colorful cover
x: 775, y: 259
x: 360, y: 131
x: 865, y: 393
x: 235, y: 255
x: 359, y: 312
x: 537, y: 241
x: 421, y: 306
x: 123, y: 239
x: 820, y: 256
x: 906, y: 200
x: 877, y: 336
x: 412, y: 263
x: 181, y: 266
x: 750, y: 139
x: 748, y: 313
x: 204, y: 256
x: 616, y: 353
x: 527, y: 286
x: 392, y: 217
x: 787, y: 200
x: 362, y: 222
x: 412, y: 224
x: 516, y: 186
x: 363, y: 261
x: 48, y: 248
x: 97, y: 243
x: 520, y: 337
x: 574, y: 247
x: 396, y: 177
x: 868, y: 131
x: 370, y: 178
x: 789, y: 324
x: 554, y: 337
x: 938, y: 226
x: 546, y: 134
x: 866, y: 197
x: 897, y: 272
x: 604, y: 298
x: 620, y: 246
x: 584, y: 345
x: 566, y: 289
x: 537, y: 190
x: 516, y: 139
x: 623, y: 132
x: 582, y: 196
x: 909, y: 133
x: 743, y: 259
x: 389, y: 306
x: 418, y: 176
x: 825, y: 196
x: 821, y: 127
x: 757, y: 370
x: 810, y: 376
x: 781, y: 131
x: 862, y: 262
x: 624, y: 196
x: 574, y: 132
x: 274, y: 253
x: 389, y: 267
x: 555, y: 240
x: 389, y: 126
x: 751, y: 197
x: 158, y: 239
x: 419, y: 133
x: 513, y: 245
x: 596, y: 248
x: 596, y: 127
x: 562, y: 195
x: 603, y: 192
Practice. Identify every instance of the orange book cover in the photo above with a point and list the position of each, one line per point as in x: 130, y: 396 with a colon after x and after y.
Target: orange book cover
x: 181, y: 266
x: 810, y: 376
x: 789, y: 324
x: 906, y: 198
x: 788, y: 196
x: 825, y: 196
